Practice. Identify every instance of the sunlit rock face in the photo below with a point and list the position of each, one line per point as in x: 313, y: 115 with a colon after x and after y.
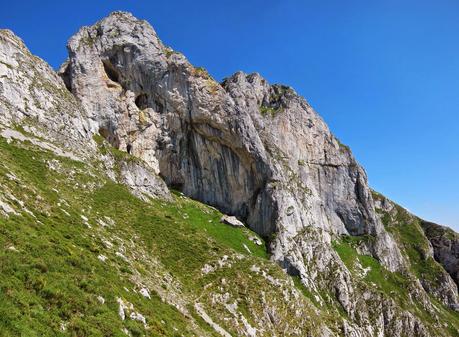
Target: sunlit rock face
x: 34, y: 96
x: 256, y: 151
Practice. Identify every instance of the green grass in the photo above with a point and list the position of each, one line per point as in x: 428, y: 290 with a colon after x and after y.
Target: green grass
x: 305, y: 291
x: 50, y: 281
x: 407, y: 231
x: 118, y: 155
x: 182, y: 233
x: 391, y: 284
x: 343, y: 147
x: 265, y: 111
x: 433, y: 230
x: 346, y: 252
x: 53, y: 276
x: 201, y: 72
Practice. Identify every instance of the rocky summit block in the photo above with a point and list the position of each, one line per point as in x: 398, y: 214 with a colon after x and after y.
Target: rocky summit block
x: 144, y: 116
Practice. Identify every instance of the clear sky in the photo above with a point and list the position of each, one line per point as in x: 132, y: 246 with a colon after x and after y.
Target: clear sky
x: 383, y: 74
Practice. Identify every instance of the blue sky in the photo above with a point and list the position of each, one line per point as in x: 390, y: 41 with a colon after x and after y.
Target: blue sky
x: 383, y: 74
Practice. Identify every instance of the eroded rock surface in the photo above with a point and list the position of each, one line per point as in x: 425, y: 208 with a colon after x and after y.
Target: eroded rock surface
x: 34, y: 97
x: 34, y: 100
x: 445, y: 244
x: 255, y: 151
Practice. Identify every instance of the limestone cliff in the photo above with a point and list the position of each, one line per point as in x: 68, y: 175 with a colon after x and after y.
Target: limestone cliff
x: 253, y: 150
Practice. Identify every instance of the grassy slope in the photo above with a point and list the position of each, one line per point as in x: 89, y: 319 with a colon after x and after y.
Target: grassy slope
x: 408, y: 233
x: 395, y: 286
x: 52, y: 278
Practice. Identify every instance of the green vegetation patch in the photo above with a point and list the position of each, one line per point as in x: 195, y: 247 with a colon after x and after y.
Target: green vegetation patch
x: 52, y: 277
x: 269, y: 111
x: 370, y: 269
x: 184, y: 233
x: 407, y: 231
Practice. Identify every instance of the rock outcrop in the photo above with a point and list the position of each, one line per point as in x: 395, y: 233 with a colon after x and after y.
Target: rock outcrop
x: 425, y: 245
x: 445, y: 244
x: 255, y: 151
x: 35, y: 98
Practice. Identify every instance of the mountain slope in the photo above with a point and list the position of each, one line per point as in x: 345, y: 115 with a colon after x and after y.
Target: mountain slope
x: 76, y: 244
x: 94, y: 242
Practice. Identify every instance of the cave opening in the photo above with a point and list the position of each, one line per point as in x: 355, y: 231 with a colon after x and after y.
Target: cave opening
x: 65, y: 75
x: 141, y: 101
x: 111, y: 72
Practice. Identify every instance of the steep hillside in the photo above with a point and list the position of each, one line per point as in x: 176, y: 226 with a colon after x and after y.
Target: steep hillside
x: 82, y: 256
x: 114, y: 177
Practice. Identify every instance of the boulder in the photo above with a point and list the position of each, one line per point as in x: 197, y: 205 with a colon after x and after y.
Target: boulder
x: 231, y: 220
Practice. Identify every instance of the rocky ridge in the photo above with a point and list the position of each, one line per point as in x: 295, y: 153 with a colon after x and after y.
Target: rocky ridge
x: 253, y: 150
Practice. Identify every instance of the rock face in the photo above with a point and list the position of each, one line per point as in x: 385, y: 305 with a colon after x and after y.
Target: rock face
x: 33, y: 96
x: 35, y: 99
x: 445, y: 244
x: 255, y: 151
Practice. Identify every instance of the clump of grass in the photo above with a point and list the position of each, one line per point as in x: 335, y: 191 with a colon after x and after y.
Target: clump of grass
x: 343, y: 147
x: 269, y: 111
x: 391, y: 284
x: 201, y: 72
